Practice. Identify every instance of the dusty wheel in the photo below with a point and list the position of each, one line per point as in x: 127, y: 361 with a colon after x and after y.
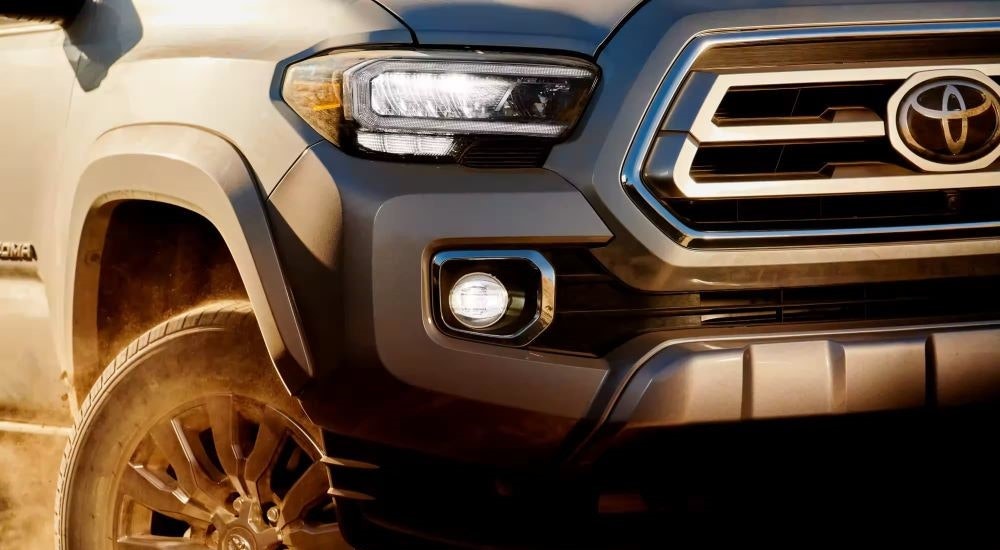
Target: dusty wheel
x: 189, y: 441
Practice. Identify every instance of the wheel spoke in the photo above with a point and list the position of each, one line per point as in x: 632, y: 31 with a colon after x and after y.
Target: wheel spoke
x: 152, y: 542
x: 191, y: 476
x: 311, y: 488
x: 188, y: 467
x: 226, y: 424
x: 149, y: 490
x: 270, y: 436
x: 318, y: 537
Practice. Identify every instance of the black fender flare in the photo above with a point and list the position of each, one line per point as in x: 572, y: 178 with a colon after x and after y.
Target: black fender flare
x: 200, y: 171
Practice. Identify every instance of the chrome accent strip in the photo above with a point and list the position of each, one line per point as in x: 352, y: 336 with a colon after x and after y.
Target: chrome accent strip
x: 871, y: 125
x: 797, y: 131
x: 660, y: 103
x: 545, y: 308
x: 686, y: 187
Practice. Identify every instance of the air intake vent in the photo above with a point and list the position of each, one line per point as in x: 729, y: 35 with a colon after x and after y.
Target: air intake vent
x: 505, y: 153
x: 767, y: 135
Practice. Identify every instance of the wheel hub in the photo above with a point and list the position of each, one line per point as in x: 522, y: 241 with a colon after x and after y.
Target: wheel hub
x: 248, y: 530
x: 238, y: 538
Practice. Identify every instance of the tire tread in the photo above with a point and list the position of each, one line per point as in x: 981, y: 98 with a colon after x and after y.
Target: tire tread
x: 222, y: 314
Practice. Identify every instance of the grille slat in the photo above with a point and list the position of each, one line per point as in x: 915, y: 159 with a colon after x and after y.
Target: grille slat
x: 912, y: 50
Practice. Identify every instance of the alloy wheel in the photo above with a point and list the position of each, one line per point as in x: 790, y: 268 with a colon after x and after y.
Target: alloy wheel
x: 225, y: 473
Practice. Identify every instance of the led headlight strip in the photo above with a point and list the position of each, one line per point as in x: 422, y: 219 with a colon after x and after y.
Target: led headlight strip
x: 432, y: 103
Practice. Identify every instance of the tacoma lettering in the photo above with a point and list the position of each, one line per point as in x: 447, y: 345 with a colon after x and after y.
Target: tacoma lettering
x: 17, y: 252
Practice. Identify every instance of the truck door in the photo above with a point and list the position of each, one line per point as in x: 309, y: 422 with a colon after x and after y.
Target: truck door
x: 36, y: 81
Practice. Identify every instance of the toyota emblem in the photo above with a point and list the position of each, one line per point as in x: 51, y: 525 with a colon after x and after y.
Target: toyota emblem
x: 948, y: 120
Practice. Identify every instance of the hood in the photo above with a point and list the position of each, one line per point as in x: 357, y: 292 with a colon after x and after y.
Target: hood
x: 572, y: 25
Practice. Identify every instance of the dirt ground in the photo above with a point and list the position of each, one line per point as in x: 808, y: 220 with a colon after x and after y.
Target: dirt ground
x: 29, y: 465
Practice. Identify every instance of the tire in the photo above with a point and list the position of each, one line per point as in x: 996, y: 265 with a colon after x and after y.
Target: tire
x: 148, y: 456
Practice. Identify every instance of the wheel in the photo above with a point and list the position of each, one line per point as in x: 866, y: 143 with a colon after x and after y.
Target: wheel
x: 189, y: 441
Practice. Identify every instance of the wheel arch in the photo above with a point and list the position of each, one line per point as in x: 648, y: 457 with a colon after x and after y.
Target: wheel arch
x: 198, y: 171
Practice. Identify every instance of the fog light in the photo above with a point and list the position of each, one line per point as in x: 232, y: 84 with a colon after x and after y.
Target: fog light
x: 478, y: 300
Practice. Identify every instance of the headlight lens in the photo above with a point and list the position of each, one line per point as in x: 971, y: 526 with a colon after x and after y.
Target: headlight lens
x: 436, y: 104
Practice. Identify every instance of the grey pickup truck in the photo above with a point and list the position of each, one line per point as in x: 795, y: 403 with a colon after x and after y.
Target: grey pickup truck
x: 427, y: 273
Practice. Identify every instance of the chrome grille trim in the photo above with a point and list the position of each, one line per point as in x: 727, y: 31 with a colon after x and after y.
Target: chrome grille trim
x: 656, y: 119
x: 706, y: 131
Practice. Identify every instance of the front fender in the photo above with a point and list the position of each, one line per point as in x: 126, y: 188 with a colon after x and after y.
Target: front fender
x: 197, y: 170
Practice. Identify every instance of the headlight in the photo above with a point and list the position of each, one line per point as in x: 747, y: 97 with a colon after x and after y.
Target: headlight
x: 438, y: 104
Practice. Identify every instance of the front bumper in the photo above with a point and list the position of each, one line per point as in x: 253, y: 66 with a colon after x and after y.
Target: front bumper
x: 451, y: 441
x: 357, y: 239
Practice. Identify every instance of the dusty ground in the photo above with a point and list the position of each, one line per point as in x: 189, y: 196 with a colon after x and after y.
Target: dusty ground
x: 29, y: 465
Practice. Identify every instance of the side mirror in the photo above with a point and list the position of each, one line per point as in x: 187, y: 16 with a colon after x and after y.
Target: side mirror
x: 56, y: 11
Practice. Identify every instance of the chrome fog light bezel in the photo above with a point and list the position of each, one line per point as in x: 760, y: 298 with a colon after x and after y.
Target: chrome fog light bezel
x: 543, y: 304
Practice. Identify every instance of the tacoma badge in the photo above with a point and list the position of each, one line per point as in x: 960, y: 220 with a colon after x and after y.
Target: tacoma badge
x: 17, y: 252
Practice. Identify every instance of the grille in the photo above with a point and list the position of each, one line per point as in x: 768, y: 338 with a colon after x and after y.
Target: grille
x: 595, y: 312
x: 760, y: 132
